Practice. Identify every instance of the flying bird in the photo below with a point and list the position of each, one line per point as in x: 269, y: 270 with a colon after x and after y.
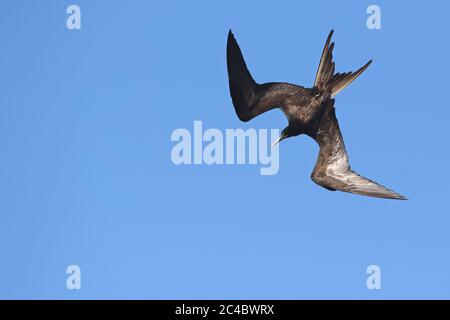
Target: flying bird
x: 309, y: 111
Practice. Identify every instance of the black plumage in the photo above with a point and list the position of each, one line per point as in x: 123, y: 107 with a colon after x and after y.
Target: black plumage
x: 309, y: 111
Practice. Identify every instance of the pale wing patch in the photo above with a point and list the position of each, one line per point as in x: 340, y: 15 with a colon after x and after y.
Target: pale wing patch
x: 338, y: 168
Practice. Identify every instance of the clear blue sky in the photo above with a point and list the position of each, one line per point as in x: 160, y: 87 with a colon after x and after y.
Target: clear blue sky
x: 86, y: 176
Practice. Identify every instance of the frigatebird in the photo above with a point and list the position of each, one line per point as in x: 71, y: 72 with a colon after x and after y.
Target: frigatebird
x: 309, y: 111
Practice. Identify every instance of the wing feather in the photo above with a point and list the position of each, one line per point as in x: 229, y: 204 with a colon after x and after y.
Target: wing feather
x: 251, y: 99
x: 333, y: 171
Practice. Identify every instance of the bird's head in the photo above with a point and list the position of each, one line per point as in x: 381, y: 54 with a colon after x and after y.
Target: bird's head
x: 286, y: 133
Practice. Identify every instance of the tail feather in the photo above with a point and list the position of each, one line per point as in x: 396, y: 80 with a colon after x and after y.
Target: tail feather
x: 325, y: 70
x: 325, y: 76
x: 341, y: 80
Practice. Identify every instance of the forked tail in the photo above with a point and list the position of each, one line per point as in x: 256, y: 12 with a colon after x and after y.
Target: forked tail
x: 325, y: 76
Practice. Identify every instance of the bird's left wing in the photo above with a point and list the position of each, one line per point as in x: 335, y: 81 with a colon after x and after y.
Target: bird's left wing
x: 332, y: 170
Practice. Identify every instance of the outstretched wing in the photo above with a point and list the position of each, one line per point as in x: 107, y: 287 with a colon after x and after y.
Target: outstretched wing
x: 332, y: 170
x: 250, y: 99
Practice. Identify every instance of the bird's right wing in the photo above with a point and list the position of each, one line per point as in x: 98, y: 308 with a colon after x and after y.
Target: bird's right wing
x: 251, y: 99
x: 332, y: 170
